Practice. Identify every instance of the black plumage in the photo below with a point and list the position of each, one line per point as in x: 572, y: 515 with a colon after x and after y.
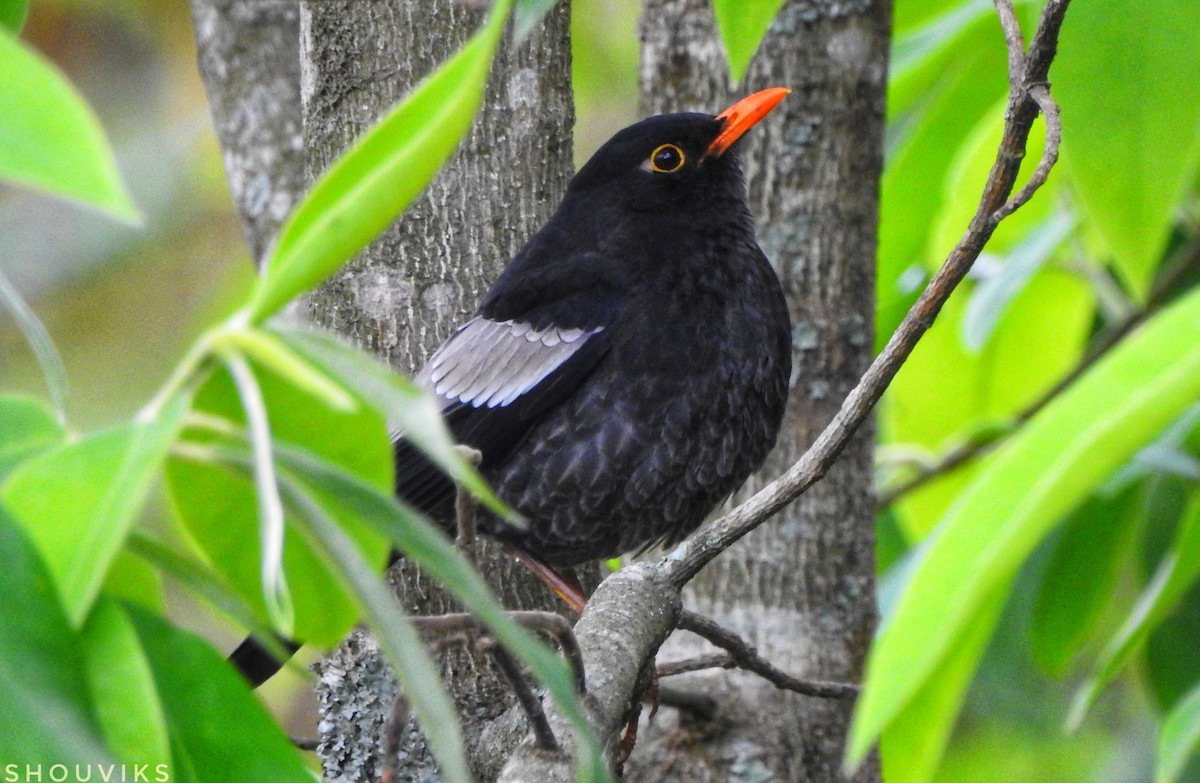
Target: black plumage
x: 629, y: 369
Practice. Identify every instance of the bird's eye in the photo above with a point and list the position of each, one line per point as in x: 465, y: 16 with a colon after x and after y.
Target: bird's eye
x: 666, y: 159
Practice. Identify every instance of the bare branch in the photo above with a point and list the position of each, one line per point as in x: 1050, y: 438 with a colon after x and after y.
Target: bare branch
x: 531, y: 705
x: 464, y: 507
x: 743, y: 656
x: 708, y: 542
x: 697, y: 664
x: 392, y: 734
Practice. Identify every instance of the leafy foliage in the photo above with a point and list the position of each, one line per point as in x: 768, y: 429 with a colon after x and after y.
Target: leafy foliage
x: 49, y: 137
x: 742, y: 24
x: 1055, y: 280
x: 279, y: 467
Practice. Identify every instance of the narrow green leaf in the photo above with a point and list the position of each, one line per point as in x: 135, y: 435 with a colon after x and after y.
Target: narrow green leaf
x: 26, y: 427
x: 134, y: 581
x: 1178, y: 738
x: 339, y: 492
x: 204, y: 583
x: 46, y: 716
x: 913, y: 744
x: 269, y: 351
x: 49, y: 137
x: 1176, y: 573
x: 216, y: 504
x: 39, y: 341
x: 12, y: 14
x: 1061, y: 456
x: 933, y: 106
x: 743, y: 24
x: 78, y: 501
x: 408, y: 409
x: 220, y: 732
x: 411, y: 661
x: 1079, y: 582
x: 991, y: 298
x: 373, y: 182
x: 122, y: 687
x: 1139, y: 62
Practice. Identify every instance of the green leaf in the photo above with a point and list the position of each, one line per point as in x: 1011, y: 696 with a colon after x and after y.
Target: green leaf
x: 122, y: 687
x: 1079, y: 582
x: 1178, y: 737
x: 26, y: 427
x: 78, y: 501
x: 743, y: 24
x: 39, y: 341
x: 408, y: 409
x: 1139, y: 62
x: 913, y: 744
x: 46, y: 715
x: 220, y: 732
x: 1171, y: 672
x: 992, y: 296
x: 946, y: 393
x: 204, y: 583
x: 341, y: 494
x: 269, y: 351
x: 217, y: 504
x: 411, y: 661
x: 373, y: 182
x: 135, y: 581
x: 12, y: 14
x: 1176, y: 573
x: 1061, y: 455
x: 932, y: 106
x: 50, y: 139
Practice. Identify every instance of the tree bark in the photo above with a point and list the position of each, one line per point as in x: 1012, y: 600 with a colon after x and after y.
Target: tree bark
x: 800, y: 588
x: 404, y: 294
x: 249, y: 58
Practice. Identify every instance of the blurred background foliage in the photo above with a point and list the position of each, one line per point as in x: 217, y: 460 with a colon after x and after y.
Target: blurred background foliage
x: 1114, y: 235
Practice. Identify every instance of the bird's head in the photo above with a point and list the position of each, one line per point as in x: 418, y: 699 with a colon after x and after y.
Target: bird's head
x: 673, y: 162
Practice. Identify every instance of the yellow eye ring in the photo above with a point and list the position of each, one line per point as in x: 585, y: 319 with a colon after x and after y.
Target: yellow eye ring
x: 667, y: 159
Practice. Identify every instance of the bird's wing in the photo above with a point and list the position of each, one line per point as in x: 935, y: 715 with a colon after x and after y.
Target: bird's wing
x: 497, y: 379
x: 490, y: 364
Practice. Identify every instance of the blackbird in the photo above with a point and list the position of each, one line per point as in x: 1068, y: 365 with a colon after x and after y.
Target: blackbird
x: 629, y: 368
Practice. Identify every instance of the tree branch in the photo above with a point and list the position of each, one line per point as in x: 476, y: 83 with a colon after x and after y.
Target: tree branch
x: 741, y: 655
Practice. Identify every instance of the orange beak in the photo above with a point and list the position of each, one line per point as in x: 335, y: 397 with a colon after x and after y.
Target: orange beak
x: 743, y: 115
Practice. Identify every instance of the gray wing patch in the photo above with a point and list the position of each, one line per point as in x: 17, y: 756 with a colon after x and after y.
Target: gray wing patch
x: 491, y: 363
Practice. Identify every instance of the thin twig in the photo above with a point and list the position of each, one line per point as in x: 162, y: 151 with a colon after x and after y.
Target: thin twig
x: 1183, y: 264
x: 698, y: 664
x: 393, y: 734
x: 531, y: 705
x: 746, y: 657
x: 464, y: 507
x: 712, y: 539
x: 553, y: 625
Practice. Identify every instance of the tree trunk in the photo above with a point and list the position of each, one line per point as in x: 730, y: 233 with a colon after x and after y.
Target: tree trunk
x: 248, y: 52
x: 404, y: 295
x: 801, y: 588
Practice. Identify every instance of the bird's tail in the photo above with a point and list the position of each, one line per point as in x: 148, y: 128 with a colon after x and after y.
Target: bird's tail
x: 258, y: 664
